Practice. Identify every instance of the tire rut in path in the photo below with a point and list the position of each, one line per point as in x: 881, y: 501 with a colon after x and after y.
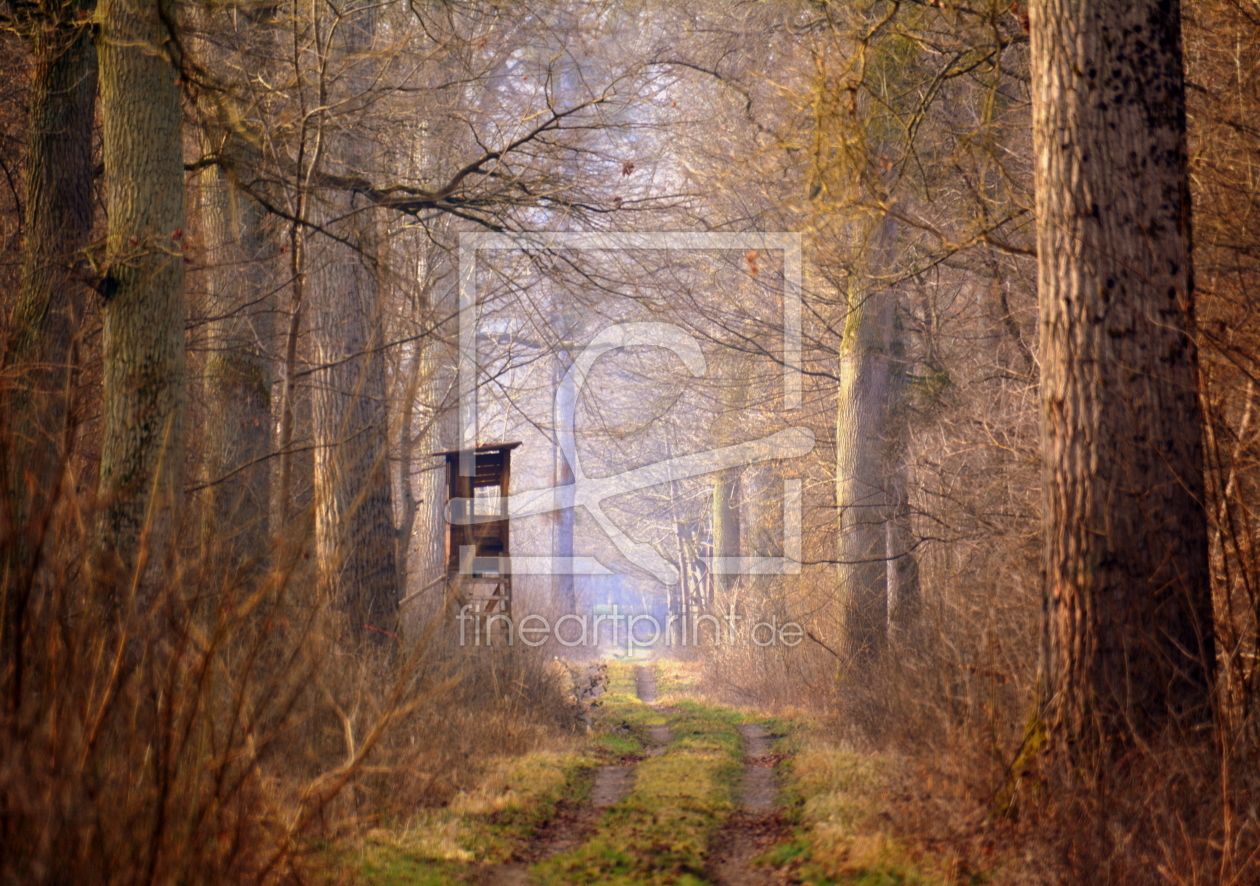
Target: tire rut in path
x: 645, y: 688
x: 573, y: 823
x: 756, y: 825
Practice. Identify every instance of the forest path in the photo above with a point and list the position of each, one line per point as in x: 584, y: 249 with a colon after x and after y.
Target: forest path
x: 698, y: 805
x: 574, y: 822
x: 757, y: 825
x: 671, y: 788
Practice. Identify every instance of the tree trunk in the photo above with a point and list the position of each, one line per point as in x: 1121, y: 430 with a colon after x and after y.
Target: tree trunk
x: 902, y: 567
x: 58, y: 216
x: 726, y: 529
x: 355, y: 537
x: 237, y: 373
x: 50, y: 299
x: 143, y: 337
x: 354, y: 514
x: 868, y: 476
x: 1128, y: 644
x: 440, y: 433
x: 564, y: 412
x: 411, y: 369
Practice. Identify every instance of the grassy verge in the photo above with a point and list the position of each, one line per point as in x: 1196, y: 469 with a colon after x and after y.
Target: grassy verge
x: 659, y: 833
x: 488, y: 825
x: 677, y: 679
x: 842, y: 835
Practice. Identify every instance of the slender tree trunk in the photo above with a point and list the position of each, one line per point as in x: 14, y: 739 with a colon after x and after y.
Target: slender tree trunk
x: 439, y: 435
x: 412, y: 369
x: 564, y: 412
x: 729, y: 500
x: 1128, y: 619
x: 294, y: 407
x: 143, y: 337
x: 726, y: 528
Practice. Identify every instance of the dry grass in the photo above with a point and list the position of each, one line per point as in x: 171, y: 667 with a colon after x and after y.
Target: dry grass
x: 214, y: 729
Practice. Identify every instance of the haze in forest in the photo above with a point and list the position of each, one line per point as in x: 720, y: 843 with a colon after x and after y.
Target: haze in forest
x: 468, y: 441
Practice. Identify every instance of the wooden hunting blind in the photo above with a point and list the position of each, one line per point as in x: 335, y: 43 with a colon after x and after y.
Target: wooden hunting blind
x: 477, y: 543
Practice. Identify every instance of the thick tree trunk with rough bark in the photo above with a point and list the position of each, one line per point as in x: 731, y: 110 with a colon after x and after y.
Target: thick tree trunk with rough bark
x: 354, y: 514
x: 1128, y: 619
x: 861, y: 424
x: 143, y: 287
x: 902, y: 569
x: 58, y: 211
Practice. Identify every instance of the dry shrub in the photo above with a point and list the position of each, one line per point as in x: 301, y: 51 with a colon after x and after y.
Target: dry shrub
x: 221, y: 725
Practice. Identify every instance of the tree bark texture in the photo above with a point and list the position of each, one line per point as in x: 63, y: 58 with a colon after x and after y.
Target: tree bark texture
x: 727, y: 528
x: 354, y: 515
x: 58, y: 206
x: 440, y: 418
x: 901, y: 566
x: 143, y: 287
x: 1128, y: 643
x: 57, y: 226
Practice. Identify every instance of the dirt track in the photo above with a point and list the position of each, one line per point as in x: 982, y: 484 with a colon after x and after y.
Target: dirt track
x: 754, y: 827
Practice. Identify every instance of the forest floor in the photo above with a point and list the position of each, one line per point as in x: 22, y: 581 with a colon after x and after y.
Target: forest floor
x: 670, y: 788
